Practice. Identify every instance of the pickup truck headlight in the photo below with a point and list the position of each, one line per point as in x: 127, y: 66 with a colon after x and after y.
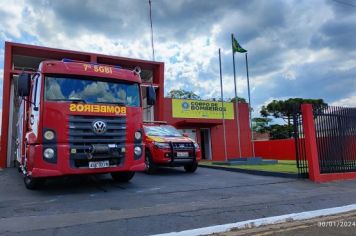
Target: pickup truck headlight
x: 162, y: 145
x: 196, y: 145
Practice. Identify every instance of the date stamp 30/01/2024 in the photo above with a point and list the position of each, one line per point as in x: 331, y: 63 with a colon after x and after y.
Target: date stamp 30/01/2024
x: 337, y: 224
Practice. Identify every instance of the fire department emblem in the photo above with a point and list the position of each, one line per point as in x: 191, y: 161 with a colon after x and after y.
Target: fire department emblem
x: 99, y: 127
x: 185, y: 106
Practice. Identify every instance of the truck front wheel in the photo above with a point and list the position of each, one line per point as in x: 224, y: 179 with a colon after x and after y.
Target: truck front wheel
x: 122, y: 177
x: 192, y: 167
x: 33, y: 183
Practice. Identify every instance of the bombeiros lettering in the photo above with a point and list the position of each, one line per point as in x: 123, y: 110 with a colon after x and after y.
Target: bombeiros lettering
x: 118, y: 110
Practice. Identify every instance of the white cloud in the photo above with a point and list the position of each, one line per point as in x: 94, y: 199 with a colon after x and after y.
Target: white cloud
x: 282, y: 43
x: 290, y: 75
x: 347, y: 102
x: 11, y: 17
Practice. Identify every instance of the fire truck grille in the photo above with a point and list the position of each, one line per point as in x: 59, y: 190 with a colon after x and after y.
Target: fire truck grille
x: 90, y: 144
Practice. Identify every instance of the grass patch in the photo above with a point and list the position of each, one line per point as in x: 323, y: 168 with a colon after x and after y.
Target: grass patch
x: 282, y: 166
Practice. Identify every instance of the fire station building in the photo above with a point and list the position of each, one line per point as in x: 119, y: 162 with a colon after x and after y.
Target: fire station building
x: 202, y: 120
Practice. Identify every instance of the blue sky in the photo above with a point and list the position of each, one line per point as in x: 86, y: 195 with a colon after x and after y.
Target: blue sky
x: 296, y: 48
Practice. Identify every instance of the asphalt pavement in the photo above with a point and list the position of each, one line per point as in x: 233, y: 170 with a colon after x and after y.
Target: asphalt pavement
x: 340, y: 225
x: 168, y: 201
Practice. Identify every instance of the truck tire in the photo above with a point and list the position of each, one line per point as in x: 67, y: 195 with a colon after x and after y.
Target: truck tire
x: 191, y: 168
x: 33, y: 183
x: 18, y: 166
x: 123, y: 177
x: 150, y: 166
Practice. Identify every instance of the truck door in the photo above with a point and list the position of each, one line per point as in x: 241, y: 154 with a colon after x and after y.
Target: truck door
x: 34, y: 111
x: 20, y: 132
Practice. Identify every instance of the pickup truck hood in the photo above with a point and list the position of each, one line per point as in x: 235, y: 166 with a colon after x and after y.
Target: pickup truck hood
x: 170, y: 139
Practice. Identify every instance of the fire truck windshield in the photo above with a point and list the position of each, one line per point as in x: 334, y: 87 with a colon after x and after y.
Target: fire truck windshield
x: 91, y: 91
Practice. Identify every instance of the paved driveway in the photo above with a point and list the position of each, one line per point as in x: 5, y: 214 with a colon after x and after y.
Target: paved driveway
x: 168, y: 201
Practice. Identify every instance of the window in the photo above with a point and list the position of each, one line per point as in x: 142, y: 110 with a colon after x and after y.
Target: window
x: 91, y: 91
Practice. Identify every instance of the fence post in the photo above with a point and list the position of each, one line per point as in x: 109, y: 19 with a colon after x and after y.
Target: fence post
x: 310, y: 142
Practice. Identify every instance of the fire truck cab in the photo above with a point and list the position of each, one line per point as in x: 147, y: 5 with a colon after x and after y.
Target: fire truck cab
x: 80, y: 118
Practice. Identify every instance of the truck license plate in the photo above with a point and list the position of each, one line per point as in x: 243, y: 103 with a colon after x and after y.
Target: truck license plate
x: 98, y: 164
x: 182, y: 154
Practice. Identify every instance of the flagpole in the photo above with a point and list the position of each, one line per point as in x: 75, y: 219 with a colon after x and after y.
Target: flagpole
x: 152, y: 45
x: 249, y: 104
x: 222, y: 105
x: 236, y: 101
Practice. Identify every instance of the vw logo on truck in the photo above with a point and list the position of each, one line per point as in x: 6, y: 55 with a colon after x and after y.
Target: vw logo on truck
x: 99, y: 127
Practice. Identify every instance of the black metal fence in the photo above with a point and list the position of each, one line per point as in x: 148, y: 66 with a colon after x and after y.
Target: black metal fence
x: 301, y: 158
x: 336, y: 139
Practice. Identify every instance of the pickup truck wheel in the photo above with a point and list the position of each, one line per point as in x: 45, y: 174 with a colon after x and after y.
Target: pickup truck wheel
x: 33, y: 183
x: 150, y: 166
x: 191, y: 168
x: 122, y: 177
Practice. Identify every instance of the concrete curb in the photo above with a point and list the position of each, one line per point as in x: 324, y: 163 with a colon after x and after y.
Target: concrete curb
x: 263, y: 221
x: 253, y: 172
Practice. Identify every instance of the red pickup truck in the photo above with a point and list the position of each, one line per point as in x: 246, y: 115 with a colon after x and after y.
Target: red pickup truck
x: 166, y: 146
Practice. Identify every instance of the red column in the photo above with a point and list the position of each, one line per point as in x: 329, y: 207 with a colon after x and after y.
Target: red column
x: 5, y: 104
x: 158, y: 76
x: 310, y: 142
x: 245, y: 131
x: 93, y: 58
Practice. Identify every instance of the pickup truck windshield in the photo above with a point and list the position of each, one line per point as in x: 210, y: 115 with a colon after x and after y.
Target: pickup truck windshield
x: 162, y: 130
x: 91, y: 91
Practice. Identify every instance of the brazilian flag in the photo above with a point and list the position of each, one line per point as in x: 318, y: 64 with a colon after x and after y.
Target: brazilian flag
x: 236, y: 47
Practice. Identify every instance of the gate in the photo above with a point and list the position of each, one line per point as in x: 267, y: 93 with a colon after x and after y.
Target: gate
x: 336, y: 139
x: 301, y: 158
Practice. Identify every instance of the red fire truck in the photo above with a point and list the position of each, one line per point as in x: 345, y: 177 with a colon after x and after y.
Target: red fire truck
x: 166, y: 146
x: 80, y: 118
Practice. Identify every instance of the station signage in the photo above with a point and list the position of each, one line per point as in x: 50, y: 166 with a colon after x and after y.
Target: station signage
x: 184, y: 108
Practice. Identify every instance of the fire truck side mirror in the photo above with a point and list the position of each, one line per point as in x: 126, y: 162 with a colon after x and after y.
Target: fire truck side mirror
x: 151, y: 95
x: 24, y: 84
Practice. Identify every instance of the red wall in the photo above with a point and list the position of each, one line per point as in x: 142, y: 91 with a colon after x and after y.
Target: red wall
x: 280, y: 149
x: 217, y: 131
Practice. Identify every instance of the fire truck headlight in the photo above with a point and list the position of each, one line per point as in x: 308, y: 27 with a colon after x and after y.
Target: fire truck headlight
x: 138, y: 135
x: 48, y: 153
x: 49, y: 135
x: 138, y: 151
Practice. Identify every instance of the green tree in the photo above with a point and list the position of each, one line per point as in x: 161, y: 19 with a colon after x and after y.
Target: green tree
x: 286, y: 108
x: 261, y: 124
x: 183, y: 94
x: 280, y: 131
x: 238, y: 99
